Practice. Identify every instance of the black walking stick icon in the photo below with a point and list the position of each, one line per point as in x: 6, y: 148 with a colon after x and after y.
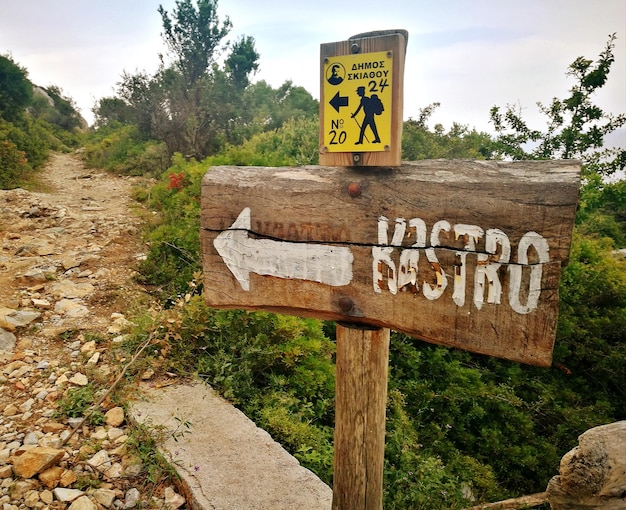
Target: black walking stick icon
x: 360, y: 129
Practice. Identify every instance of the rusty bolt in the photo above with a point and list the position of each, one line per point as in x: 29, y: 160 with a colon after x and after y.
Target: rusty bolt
x: 346, y: 304
x: 354, y: 189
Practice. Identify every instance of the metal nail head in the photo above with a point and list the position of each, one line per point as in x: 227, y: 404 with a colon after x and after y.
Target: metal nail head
x: 354, y: 189
x: 346, y: 304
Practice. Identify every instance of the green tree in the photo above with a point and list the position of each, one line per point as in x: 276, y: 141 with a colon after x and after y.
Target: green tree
x: 242, y: 62
x: 586, y: 388
x: 16, y: 91
x: 271, y: 108
x: 193, y: 35
x: 419, y: 142
x: 191, y: 104
x: 112, y: 109
x: 576, y: 127
x: 144, y: 99
x: 224, y: 99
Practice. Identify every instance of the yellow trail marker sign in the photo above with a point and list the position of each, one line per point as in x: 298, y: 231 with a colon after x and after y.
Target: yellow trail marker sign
x: 361, y: 95
x: 358, y: 102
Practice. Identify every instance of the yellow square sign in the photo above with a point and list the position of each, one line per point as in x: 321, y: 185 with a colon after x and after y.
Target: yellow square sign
x: 357, y: 102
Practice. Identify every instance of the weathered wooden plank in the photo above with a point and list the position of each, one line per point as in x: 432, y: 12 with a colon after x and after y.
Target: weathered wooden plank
x: 460, y: 253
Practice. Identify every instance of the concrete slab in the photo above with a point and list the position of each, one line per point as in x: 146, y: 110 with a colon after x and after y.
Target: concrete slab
x: 225, y: 461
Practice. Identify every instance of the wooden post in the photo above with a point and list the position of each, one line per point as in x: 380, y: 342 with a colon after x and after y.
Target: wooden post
x: 360, y: 405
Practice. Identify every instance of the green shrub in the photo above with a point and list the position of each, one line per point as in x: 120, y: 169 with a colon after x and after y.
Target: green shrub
x: 76, y: 402
x: 36, y: 139
x: 25, y: 147
x: 13, y: 165
x: 174, y: 237
x: 295, y: 143
x: 278, y: 369
x: 119, y: 148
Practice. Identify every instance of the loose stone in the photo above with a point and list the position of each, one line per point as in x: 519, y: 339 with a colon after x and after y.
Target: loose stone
x: 131, y: 499
x: 83, y: 503
x: 115, y: 416
x: 67, y: 495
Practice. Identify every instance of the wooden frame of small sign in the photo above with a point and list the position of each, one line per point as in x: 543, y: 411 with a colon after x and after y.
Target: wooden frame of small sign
x: 353, y: 130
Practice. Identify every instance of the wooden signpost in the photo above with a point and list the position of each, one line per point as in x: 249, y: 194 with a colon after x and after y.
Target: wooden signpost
x: 459, y: 253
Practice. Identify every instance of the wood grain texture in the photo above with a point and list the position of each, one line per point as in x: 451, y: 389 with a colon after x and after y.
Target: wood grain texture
x: 360, y: 405
x: 312, y: 206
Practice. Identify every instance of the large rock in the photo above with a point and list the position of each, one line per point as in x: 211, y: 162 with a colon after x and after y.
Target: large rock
x: 51, y: 476
x: 593, y: 475
x: 226, y: 461
x: 20, y: 318
x: 105, y: 497
x: 67, y: 495
x: 36, y: 460
x: 71, y: 308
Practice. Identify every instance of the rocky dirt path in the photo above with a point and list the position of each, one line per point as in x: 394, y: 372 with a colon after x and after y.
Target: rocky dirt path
x: 66, y: 267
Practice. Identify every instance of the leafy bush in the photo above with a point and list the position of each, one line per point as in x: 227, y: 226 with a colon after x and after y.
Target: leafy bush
x: 13, y: 165
x: 592, y: 325
x: 26, y: 146
x: 36, y: 138
x: 174, y: 237
x: 295, y: 143
x: 119, y: 148
x: 418, y: 142
x: 76, y: 402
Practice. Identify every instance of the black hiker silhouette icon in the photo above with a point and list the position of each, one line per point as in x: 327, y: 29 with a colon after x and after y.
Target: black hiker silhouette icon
x: 371, y: 106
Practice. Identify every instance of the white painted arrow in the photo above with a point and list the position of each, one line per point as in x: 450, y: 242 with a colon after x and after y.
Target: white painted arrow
x: 331, y: 265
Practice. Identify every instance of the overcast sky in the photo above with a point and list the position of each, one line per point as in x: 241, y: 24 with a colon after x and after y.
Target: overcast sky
x: 466, y: 55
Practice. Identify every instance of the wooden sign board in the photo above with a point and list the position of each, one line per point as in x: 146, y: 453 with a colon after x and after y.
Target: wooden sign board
x: 455, y: 252
x: 361, y: 92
